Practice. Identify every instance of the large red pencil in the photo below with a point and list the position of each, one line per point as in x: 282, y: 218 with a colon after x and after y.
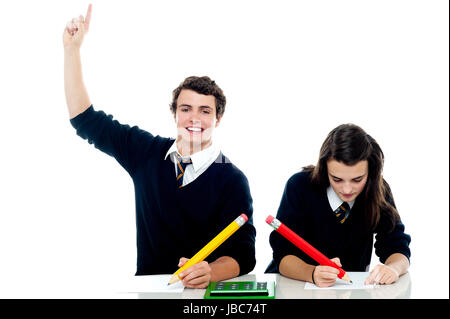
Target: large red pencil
x: 305, y: 246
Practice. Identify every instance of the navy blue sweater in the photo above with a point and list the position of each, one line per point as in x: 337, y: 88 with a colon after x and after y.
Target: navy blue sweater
x: 305, y: 209
x: 171, y: 222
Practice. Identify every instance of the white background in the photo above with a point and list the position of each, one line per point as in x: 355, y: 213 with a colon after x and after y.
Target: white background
x: 291, y: 71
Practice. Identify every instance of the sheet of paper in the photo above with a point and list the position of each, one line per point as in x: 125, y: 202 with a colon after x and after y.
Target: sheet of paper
x: 357, y: 278
x: 151, y: 284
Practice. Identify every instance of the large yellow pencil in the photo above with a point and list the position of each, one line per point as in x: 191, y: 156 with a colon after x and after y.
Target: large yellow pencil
x: 211, y: 246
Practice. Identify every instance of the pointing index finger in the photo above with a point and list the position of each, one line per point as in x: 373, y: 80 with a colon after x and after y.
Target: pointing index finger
x: 88, y: 17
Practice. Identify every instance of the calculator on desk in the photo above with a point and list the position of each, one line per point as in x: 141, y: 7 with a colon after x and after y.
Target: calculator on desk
x: 240, y: 290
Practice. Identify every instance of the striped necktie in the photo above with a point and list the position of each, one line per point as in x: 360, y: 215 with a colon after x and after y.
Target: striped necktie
x: 342, y: 212
x: 181, y: 166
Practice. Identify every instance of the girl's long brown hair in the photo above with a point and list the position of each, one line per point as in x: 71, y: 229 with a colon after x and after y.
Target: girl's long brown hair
x: 350, y: 144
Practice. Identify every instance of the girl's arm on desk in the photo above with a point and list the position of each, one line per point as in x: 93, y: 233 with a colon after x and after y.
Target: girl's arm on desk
x: 295, y: 268
x: 396, y: 265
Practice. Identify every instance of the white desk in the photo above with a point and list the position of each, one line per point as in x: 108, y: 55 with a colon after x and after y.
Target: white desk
x: 98, y: 287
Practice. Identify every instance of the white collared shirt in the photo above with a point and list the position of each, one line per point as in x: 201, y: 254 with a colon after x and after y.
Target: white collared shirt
x: 334, y: 199
x: 200, y: 161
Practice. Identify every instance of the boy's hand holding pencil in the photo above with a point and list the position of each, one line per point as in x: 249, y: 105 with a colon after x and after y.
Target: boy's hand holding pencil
x: 196, y: 276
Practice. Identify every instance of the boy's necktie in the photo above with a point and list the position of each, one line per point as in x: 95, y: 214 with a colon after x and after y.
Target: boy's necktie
x: 342, y: 212
x: 181, y: 166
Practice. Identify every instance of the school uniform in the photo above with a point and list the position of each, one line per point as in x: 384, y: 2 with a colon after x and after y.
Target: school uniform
x: 309, y: 211
x: 174, y: 221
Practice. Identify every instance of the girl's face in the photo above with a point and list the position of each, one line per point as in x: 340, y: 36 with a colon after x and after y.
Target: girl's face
x: 347, y: 181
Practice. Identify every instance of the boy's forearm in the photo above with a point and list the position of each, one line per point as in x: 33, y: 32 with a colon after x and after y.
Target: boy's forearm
x: 76, y: 94
x: 223, y: 268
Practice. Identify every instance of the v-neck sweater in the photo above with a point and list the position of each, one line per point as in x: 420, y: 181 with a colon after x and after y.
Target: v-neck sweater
x: 174, y: 222
x: 305, y: 209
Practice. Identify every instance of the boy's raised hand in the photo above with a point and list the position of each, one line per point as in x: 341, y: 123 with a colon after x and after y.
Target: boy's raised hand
x: 76, y: 29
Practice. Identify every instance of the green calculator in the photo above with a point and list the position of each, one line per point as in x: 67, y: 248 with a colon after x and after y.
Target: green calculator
x: 240, y: 290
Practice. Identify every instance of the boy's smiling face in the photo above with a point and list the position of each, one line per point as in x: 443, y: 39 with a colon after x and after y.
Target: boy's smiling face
x: 195, y: 117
